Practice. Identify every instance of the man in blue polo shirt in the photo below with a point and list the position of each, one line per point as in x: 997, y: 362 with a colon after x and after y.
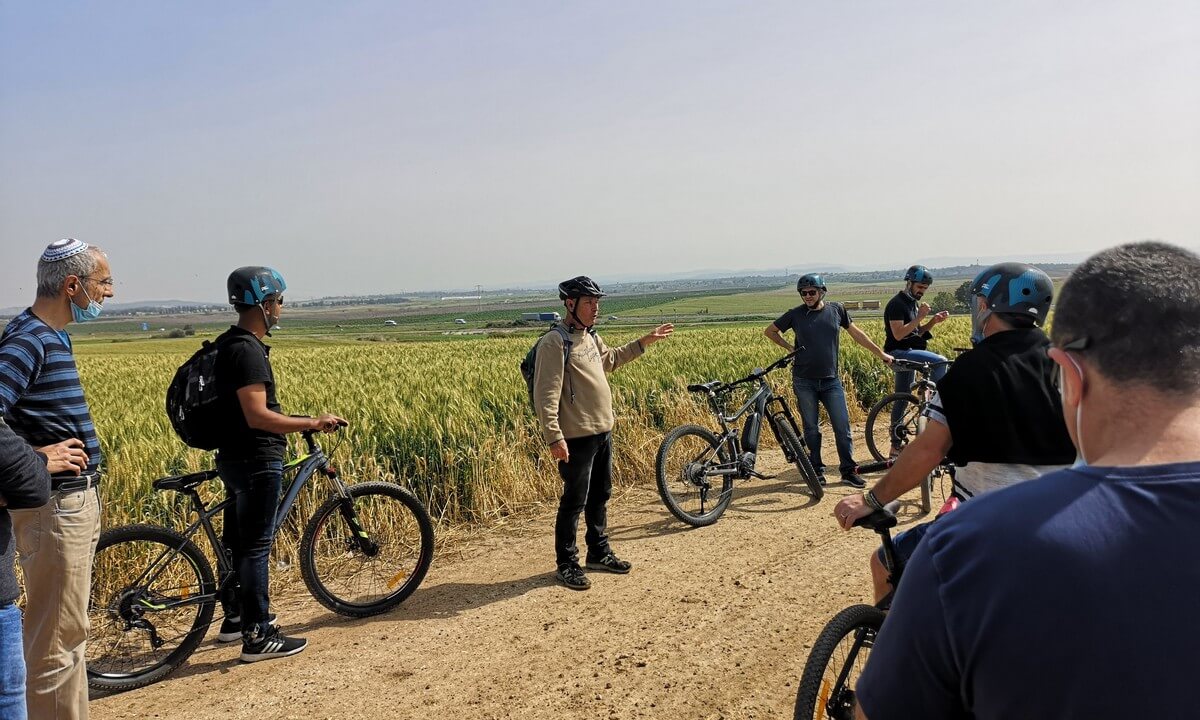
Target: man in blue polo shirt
x: 42, y: 400
x: 1073, y: 595
x: 816, y: 326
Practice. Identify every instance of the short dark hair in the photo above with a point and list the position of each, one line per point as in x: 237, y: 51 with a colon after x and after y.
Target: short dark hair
x: 1136, y: 310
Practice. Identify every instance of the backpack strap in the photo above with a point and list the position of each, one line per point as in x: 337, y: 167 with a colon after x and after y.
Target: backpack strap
x: 567, y: 343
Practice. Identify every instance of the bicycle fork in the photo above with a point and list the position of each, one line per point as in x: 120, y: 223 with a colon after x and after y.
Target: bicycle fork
x: 358, y: 535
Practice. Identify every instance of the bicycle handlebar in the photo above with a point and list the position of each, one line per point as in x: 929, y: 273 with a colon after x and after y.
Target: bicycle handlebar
x: 759, y: 373
x: 922, y: 367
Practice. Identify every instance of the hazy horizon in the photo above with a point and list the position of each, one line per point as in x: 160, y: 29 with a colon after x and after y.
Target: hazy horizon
x: 376, y: 147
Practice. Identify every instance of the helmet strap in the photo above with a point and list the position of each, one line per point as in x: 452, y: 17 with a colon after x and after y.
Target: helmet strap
x: 571, y: 314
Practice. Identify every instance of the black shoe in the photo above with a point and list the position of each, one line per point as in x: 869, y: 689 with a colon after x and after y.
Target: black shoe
x: 270, y: 645
x: 611, y: 563
x: 571, y: 575
x: 853, y: 480
x: 231, y: 628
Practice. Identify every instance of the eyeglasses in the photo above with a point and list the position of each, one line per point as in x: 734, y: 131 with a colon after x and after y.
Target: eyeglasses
x: 106, y: 282
x: 1077, y: 345
x: 278, y: 299
x: 809, y: 293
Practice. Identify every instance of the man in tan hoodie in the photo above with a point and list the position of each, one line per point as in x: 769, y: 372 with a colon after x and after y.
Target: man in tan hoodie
x: 574, y: 408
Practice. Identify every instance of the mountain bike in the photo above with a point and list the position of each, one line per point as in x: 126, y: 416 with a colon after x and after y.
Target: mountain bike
x: 365, y: 550
x: 840, y: 653
x: 886, y: 439
x: 695, y: 467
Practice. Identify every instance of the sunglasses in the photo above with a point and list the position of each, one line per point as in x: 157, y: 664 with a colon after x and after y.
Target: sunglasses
x: 809, y: 293
x: 1076, y: 345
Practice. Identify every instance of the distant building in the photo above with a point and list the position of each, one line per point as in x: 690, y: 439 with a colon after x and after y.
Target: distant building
x: 541, y: 316
x: 870, y: 304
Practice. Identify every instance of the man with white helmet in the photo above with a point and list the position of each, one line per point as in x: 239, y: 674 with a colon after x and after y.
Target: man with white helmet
x: 42, y: 400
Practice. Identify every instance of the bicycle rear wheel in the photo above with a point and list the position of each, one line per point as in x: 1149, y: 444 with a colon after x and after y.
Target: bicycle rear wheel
x: 152, y: 600
x: 885, y: 440
x: 364, y: 555
x: 835, y: 664
x: 796, y: 451
x: 683, y: 470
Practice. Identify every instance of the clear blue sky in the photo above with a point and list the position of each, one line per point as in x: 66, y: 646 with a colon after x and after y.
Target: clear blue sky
x: 382, y: 146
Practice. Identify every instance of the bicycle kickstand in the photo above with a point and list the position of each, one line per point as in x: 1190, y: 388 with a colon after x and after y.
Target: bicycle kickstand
x: 760, y: 476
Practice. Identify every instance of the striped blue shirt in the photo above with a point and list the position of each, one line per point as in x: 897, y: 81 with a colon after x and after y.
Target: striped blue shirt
x: 41, y: 398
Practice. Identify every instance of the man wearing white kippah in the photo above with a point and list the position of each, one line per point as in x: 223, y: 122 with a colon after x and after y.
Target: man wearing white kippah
x: 42, y: 400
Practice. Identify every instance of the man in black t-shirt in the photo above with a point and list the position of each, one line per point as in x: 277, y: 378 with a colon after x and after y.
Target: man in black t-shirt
x: 996, y: 415
x: 906, y: 333
x: 250, y: 458
x: 815, y: 378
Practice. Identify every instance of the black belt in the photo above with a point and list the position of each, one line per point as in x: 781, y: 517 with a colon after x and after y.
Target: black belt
x: 75, y: 483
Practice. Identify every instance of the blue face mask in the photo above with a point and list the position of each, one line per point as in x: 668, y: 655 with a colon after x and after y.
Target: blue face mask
x: 91, y: 312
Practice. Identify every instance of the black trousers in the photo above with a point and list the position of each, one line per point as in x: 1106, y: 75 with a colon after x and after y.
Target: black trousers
x: 587, y: 486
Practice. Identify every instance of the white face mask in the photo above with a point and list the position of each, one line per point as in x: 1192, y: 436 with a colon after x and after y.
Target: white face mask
x: 1080, y: 460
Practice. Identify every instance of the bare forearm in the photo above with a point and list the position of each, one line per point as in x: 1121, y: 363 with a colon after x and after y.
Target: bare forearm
x: 861, y: 338
x: 913, y: 465
x: 777, y: 338
x: 273, y: 422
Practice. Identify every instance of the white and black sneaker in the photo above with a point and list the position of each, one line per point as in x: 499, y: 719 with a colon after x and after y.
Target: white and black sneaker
x: 231, y: 628
x: 270, y: 645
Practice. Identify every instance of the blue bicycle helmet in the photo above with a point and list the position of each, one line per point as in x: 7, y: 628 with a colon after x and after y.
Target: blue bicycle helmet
x: 1015, y: 288
x: 252, y: 284
x: 919, y: 274
x: 811, y: 280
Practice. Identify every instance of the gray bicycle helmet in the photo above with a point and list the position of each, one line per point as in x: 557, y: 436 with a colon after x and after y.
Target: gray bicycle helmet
x: 576, y: 287
x: 919, y: 274
x: 252, y: 284
x: 811, y: 280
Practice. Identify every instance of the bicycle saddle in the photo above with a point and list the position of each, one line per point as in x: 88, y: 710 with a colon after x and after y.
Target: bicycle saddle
x: 184, y: 482
x: 705, y: 387
x: 880, y: 519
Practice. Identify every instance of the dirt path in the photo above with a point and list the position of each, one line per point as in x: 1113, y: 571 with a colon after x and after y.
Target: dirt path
x: 712, y: 623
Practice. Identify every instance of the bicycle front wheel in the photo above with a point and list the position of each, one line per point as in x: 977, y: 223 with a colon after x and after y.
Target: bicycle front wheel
x: 835, y: 664
x: 684, y: 469
x: 151, y: 602
x: 794, y: 447
x: 365, y: 554
x: 885, y: 439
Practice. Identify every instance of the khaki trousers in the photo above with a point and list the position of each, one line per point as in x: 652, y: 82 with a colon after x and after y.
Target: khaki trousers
x: 55, y: 544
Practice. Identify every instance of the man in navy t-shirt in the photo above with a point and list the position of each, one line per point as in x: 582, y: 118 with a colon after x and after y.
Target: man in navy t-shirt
x: 815, y: 378
x: 1074, y: 595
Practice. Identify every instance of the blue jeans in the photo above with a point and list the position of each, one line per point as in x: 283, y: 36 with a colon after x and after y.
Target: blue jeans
x: 254, y: 486
x: 905, y: 378
x: 12, y: 665
x: 830, y: 393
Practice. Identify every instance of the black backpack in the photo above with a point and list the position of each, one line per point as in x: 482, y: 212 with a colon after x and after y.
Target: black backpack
x: 530, y: 361
x: 192, y: 399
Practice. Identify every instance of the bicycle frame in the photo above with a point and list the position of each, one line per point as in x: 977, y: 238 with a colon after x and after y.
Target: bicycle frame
x: 305, y: 468
x: 763, y: 402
